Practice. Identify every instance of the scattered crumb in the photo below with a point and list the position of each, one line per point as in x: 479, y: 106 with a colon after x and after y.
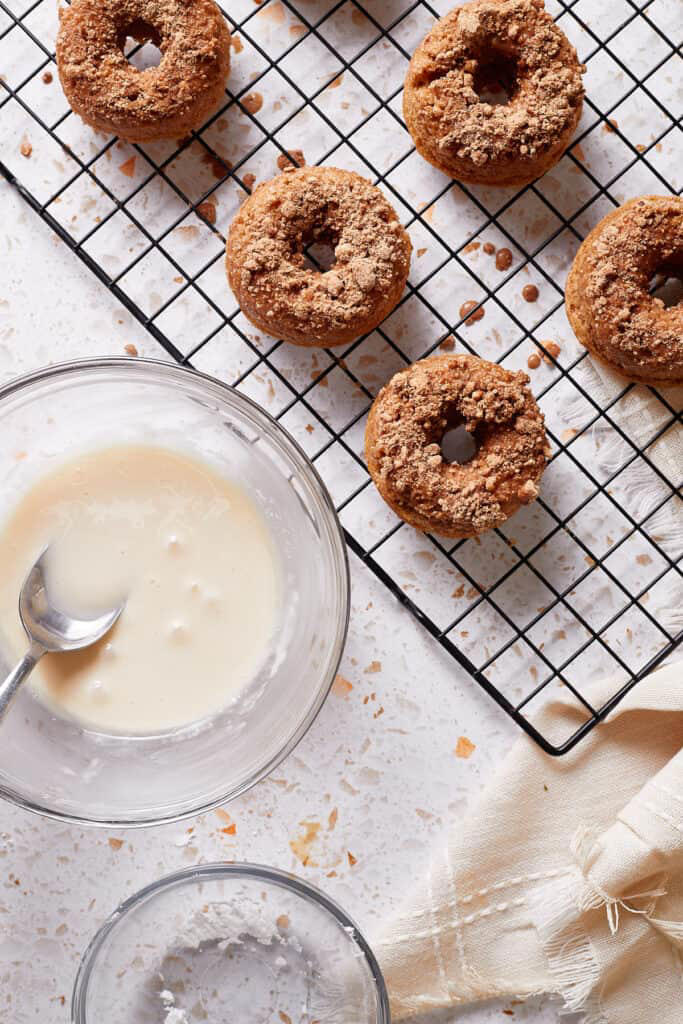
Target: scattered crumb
x: 374, y: 666
x: 503, y: 259
x: 464, y: 748
x: 128, y: 167
x: 249, y: 180
x: 643, y: 559
x: 296, y: 156
x: 420, y: 253
x: 300, y: 846
x: 448, y: 344
x: 530, y: 292
x: 341, y: 687
x: 352, y: 860
x: 568, y: 434
x: 47, y: 77
x: 218, y: 166
x: 473, y: 317
x: 610, y: 125
x: 284, y: 1017
x: 471, y: 247
x: 26, y: 148
x: 489, y: 248
x: 253, y: 102
x: 282, y: 921
x: 640, y: 147
x: 207, y: 210
x: 115, y: 844
x: 579, y: 153
x: 336, y: 82
x: 237, y: 44
x: 534, y: 361
x: 332, y: 820
x: 131, y: 350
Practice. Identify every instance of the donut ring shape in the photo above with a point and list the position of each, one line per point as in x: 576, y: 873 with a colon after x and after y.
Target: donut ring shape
x: 289, y: 299
x: 164, y: 102
x: 471, y: 50
x: 607, y: 296
x: 408, y: 420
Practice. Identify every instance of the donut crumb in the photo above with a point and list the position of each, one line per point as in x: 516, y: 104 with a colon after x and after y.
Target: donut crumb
x: 293, y: 158
x: 26, y: 148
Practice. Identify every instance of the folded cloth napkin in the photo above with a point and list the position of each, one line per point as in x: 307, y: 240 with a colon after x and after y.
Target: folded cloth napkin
x: 567, y: 877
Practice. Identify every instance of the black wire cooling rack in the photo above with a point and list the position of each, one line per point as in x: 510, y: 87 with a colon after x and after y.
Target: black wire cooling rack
x: 586, y: 582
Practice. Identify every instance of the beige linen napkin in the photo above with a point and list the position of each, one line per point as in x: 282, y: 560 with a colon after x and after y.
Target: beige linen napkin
x: 567, y: 877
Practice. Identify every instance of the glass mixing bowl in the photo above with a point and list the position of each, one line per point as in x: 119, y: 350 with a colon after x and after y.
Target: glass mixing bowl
x: 229, y: 942
x: 54, y: 765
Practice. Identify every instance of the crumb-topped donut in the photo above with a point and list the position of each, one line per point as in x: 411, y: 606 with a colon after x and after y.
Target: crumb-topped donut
x: 408, y: 420
x: 267, y: 267
x: 471, y: 53
x: 164, y: 102
x: 609, y: 304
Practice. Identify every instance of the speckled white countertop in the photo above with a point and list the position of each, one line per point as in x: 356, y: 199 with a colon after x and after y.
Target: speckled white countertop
x: 378, y: 772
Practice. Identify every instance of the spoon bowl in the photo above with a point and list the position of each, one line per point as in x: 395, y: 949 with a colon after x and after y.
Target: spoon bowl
x: 49, y: 629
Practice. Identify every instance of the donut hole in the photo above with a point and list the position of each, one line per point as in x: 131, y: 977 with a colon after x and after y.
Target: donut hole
x: 319, y: 249
x: 458, y: 445
x: 667, y: 286
x: 139, y: 41
x: 495, y: 79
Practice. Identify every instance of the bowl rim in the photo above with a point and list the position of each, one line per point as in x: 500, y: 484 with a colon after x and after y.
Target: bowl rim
x: 139, y: 366
x: 216, y: 870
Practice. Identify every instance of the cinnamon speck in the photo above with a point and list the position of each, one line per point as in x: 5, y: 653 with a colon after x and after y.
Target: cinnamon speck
x: 294, y: 157
x: 489, y: 248
x: 503, y: 259
x: 464, y: 748
x: 26, y: 148
x: 131, y: 350
x: 128, y: 167
x: 473, y: 317
x: 530, y: 292
x: 253, y: 102
x: 47, y: 77
x: 207, y: 210
x: 534, y: 361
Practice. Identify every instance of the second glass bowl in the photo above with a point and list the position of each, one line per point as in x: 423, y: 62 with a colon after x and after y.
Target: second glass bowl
x: 52, y: 764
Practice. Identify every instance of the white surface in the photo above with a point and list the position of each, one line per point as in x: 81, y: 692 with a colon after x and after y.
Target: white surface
x: 383, y: 756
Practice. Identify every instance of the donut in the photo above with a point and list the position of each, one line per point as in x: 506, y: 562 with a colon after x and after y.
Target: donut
x: 164, y: 102
x: 289, y: 299
x: 406, y: 425
x: 474, y: 50
x: 607, y: 296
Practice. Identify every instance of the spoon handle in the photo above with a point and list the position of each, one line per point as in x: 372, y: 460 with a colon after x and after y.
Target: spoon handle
x: 9, y: 688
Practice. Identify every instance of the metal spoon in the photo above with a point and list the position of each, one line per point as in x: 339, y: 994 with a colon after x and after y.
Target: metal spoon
x: 49, y: 629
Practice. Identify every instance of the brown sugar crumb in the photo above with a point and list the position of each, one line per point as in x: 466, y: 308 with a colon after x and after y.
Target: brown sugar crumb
x: 253, y: 102
x: 218, y: 166
x: 534, y: 361
x: 610, y: 125
x: 237, y: 44
x: 300, y: 846
x: 503, y: 259
x: 47, y: 77
x: 115, y: 844
x: 352, y: 860
x: 131, y: 350
x: 249, y: 179
x: 420, y: 253
x: 374, y: 666
x: 207, y: 210
x: 471, y: 247
x: 530, y: 292
x: 448, y: 344
x: 643, y: 559
x: 284, y: 1017
x: 473, y: 317
x: 489, y: 248
x: 128, y: 167
x: 284, y: 161
x: 464, y: 748
x: 26, y: 148
x: 336, y: 82
x: 341, y: 687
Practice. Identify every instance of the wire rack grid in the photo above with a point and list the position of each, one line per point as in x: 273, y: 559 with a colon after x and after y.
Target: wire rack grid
x: 587, y: 581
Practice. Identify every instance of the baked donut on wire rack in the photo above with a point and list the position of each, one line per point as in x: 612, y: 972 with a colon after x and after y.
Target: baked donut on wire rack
x: 462, y: 70
x: 406, y: 426
x: 164, y: 102
x: 608, y: 298
x: 290, y: 298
